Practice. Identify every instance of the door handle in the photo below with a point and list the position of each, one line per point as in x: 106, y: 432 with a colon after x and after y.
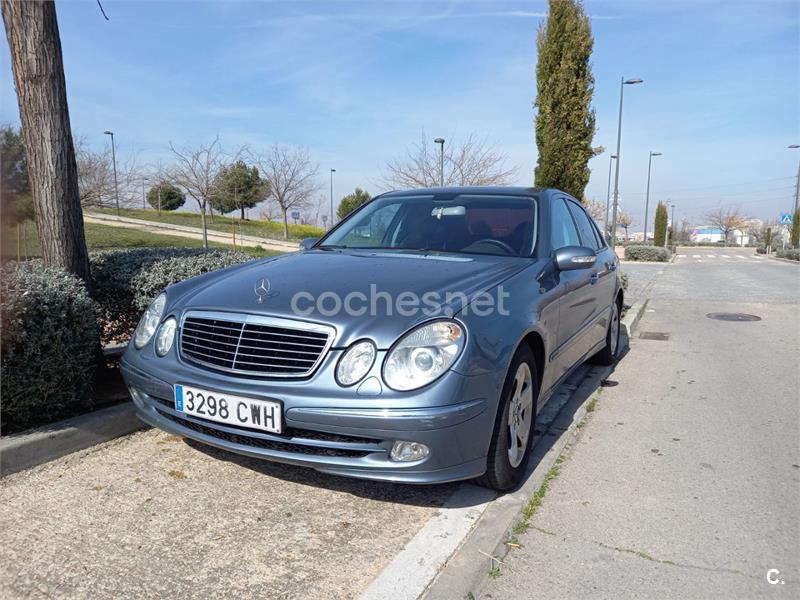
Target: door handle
x: 595, y: 278
x: 612, y: 267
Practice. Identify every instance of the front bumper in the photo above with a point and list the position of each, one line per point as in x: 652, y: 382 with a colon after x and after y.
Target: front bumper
x: 454, y: 417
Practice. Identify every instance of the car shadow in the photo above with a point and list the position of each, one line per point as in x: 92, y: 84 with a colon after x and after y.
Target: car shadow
x: 552, y: 423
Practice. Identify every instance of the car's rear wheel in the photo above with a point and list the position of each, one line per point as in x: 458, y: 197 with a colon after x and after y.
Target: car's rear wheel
x: 608, y: 355
x: 515, y: 424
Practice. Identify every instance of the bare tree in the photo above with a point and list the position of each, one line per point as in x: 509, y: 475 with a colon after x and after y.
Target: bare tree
x: 726, y: 219
x: 36, y: 59
x: 292, y: 178
x: 595, y: 208
x: 195, y: 170
x: 624, y: 220
x: 471, y: 162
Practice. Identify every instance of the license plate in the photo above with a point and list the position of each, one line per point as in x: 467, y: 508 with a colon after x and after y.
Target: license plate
x: 225, y: 408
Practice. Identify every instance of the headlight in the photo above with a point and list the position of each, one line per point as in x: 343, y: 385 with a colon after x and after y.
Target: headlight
x: 150, y: 320
x: 355, y: 363
x: 165, y: 336
x: 423, y: 355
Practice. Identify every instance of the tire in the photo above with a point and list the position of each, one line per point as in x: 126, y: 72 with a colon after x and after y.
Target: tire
x: 608, y: 355
x: 506, y: 465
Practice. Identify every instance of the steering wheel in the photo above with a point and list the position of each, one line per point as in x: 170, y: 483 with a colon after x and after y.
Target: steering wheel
x: 498, y: 243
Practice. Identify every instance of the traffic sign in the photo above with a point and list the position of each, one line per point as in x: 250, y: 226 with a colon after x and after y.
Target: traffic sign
x: 786, y: 219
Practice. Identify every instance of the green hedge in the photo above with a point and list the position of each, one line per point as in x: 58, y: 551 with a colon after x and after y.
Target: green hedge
x: 789, y: 254
x: 49, y: 337
x: 126, y: 280
x: 647, y: 253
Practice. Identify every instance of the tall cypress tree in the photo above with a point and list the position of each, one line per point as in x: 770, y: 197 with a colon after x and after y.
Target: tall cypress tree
x: 565, y: 119
x: 660, y: 229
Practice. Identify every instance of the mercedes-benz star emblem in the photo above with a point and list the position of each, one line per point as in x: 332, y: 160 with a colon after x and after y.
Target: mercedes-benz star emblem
x: 262, y: 289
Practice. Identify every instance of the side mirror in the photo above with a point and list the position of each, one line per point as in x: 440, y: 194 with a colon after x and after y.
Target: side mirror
x: 307, y: 243
x: 570, y: 258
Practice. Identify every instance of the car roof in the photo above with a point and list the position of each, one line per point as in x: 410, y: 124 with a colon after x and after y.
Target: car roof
x: 475, y: 189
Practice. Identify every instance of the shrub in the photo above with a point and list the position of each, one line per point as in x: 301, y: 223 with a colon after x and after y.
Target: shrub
x: 165, y: 196
x: 126, y: 280
x: 789, y: 254
x: 761, y: 250
x: 49, y: 338
x: 648, y: 253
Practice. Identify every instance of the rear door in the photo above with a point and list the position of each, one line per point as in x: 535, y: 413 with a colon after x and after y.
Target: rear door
x: 603, y: 278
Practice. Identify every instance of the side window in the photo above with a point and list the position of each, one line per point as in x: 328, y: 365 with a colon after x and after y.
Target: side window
x: 587, y: 230
x: 564, y: 232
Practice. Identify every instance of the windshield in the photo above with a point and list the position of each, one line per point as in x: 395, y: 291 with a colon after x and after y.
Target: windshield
x: 468, y: 224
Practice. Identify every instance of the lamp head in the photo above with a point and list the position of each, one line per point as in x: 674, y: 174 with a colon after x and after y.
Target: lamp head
x: 438, y: 141
x: 633, y: 81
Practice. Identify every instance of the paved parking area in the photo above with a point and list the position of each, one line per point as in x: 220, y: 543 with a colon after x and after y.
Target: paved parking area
x: 151, y: 515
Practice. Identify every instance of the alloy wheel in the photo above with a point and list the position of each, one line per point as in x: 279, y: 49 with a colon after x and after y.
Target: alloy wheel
x: 520, y: 415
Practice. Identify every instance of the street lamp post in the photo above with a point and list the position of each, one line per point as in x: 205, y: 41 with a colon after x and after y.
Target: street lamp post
x: 114, y: 160
x: 440, y: 141
x: 622, y: 83
x: 608, y: 191
x: 797, y: 185
x: 332, y: 172
x: 647, y: 196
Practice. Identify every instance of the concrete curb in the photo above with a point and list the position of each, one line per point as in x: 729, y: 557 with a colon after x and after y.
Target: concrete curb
x: 786, y: 260
x: 29, y: 449
x: 467, y: 567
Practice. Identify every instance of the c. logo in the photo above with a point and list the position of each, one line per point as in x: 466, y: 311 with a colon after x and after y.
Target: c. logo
x: 261, y: 289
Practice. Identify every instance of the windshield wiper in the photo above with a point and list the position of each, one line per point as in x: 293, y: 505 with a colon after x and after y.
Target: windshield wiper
x: 331, y: 247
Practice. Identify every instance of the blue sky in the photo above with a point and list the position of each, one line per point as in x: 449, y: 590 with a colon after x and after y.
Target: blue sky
x: 358, y: 82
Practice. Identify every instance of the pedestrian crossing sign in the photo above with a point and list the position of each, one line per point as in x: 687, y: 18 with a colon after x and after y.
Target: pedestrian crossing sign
x: 786, y: 219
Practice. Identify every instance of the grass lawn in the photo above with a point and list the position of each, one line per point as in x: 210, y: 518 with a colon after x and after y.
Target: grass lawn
x: 255, y: 227
x: 100, y: 237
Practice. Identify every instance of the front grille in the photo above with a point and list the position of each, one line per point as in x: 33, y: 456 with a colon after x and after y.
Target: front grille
x: 256, y: 442
x: 253, y: 346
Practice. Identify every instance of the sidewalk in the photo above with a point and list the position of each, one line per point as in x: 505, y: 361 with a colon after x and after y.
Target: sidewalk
x: 684, y: 482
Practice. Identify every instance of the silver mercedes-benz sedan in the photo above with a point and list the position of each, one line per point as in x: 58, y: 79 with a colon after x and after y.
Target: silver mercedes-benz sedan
x: 415, y: 342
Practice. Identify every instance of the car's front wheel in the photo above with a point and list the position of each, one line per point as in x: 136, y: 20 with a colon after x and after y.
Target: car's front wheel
x: 515, y: 424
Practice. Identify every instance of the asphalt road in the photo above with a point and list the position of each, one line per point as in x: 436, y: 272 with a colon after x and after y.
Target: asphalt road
x: 685, y: 482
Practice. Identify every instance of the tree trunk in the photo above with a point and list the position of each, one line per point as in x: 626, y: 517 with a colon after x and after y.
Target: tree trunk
x: 285, y: 224
x: 242, y: 213
x: 203, y: 225
x: 32, y: 31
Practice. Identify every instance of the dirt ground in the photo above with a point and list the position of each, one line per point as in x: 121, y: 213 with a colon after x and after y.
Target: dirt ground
x: 152, y: 515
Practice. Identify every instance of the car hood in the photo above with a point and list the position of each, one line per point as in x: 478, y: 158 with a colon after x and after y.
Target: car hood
x: 301, y: 279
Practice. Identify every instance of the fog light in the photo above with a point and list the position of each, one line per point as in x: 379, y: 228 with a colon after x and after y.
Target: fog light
x: 408, y: 451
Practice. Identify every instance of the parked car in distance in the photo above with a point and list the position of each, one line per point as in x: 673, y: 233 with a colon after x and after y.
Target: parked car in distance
x: 415, y: 342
